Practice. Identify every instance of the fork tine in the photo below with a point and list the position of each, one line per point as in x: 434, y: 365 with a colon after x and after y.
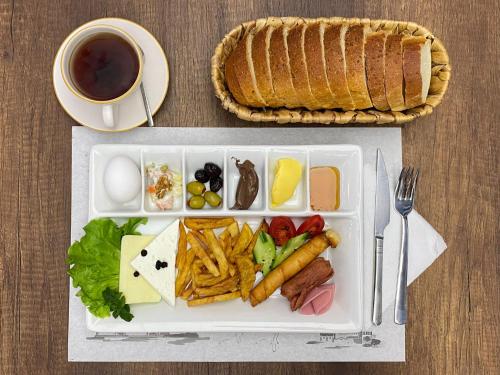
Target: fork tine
x: 400, y: 185
x: 414, y: 186
x: 409, y: 179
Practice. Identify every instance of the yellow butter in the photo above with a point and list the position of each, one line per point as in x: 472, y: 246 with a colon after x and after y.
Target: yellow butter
x: 287, y: 176
x: 135, y: 289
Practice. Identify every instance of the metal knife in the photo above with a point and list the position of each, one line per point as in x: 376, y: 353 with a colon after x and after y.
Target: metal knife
x: 382, y: 213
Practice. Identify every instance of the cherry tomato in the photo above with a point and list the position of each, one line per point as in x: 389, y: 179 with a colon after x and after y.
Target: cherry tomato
x: 282, y: 229
x: 314, y: 225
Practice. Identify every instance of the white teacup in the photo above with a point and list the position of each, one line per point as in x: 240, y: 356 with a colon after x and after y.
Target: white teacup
x: 75, y: 40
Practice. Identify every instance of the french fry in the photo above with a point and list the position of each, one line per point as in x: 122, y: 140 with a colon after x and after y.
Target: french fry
x: 242, y: 242
x: 201, y: 239
x: 235, y: 239
x: 232, y: 270
x: 202, y: 254
x: 228, y: 285
x: 247, y: 275
x: 196, y: 223
x: 262, y: 227
x: 227, y: 246
x: 257, y: 267
x: 207, y: 280
x: 233, y: 229
x: 184, y: 274
x: 212, y: 299
x: 180, y: 259
x: 214, y: 245
x: 187, y: 293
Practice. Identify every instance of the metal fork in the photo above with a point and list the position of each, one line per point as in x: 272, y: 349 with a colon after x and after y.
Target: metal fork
x: 404, y: 198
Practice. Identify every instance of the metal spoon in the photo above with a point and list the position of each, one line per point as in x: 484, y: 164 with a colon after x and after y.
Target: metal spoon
x: 145, y: 100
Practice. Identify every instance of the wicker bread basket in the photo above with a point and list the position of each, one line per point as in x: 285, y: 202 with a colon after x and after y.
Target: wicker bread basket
x: 439, y: 81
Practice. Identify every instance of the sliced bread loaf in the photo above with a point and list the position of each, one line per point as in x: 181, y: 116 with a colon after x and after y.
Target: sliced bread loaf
x: 355, y: 63
x: 335, y: 64
x: 375, y: 70
x: 394, y: 72
x: 280, y: 68
x: 416, y: 69
x: 316, y: 70
x: 298, y: 67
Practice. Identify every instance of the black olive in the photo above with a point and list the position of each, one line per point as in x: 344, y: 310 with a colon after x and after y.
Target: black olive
x: 202, y: 176
x: 216, y: 184
x: 213, y: 169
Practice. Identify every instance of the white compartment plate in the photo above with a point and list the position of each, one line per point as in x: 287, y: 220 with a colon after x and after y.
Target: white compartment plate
x: 273, y: 315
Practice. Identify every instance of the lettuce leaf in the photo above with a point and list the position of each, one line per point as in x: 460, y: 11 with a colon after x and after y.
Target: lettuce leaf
x: 95, y: 261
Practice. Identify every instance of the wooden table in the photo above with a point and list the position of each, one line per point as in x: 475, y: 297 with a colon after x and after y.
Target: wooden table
x: 454, y: 306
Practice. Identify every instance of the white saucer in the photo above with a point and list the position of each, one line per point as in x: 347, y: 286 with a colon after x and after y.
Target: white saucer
x: 131, y: 111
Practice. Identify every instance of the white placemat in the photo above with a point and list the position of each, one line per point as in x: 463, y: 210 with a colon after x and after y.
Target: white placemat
x: 383, y: 343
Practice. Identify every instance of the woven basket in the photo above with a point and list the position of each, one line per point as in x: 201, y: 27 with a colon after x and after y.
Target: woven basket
x: 439, y: 81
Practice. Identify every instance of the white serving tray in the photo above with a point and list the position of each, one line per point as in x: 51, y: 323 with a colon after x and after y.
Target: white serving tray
x: 273, y: 315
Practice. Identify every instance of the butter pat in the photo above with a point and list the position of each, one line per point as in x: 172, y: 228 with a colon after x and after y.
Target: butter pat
x: 287, y: 176
x: 135, y: 289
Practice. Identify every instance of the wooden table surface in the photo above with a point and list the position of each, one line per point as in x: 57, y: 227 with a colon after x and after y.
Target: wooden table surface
x: 454, y: 306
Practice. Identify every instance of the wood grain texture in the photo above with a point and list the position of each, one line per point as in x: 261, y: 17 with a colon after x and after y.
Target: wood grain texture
x: 454, y: 306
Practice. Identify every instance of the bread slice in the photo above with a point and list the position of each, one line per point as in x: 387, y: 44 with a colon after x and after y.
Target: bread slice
x: 298, y: 67
x: 261, y: 64
x: 316, y: 70
x: 232, y: 81
x: 334, y: 46
x: 355, y: 62
x: 284, y: 90
x: 375, y: 71
x: 416, y: 69
x: 394, y: 72
x: 243, y: 68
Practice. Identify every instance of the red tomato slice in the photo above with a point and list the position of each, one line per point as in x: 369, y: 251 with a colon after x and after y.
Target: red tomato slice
x: 314, y: 225
x: 281, y: 229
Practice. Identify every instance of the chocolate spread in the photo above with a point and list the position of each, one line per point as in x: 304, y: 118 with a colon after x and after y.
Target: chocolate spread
x: 248, y: 185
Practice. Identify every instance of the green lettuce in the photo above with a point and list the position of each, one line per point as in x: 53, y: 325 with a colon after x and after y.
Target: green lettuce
x: 95, y: 262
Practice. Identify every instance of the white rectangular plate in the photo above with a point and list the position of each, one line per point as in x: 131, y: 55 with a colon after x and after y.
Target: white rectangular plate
x: 273, y: 315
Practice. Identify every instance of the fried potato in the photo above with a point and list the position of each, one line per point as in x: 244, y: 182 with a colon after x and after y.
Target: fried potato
x: 242, y: 242
x: 212, y: 299
x: 257, y: 268
x: 228, y: 285
x: 181, y: 247
x: 206, y: 280
x: 247, y: 275
x: 187, y: 293
x: 184, y: 274
x: 216, y: 249
x: 232, y: 270
x: 262, y: 227
x: 197, y: 223
x: 202, y: 254
x: 201, y: 239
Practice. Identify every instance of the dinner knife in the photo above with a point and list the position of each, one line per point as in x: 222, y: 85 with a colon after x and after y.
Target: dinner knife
x: 382, y: 212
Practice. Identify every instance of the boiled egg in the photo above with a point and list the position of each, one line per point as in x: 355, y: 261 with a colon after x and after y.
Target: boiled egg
x: 122, y: 179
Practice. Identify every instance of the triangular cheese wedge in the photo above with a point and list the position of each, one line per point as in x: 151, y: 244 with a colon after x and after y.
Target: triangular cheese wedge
x: 156, y: 262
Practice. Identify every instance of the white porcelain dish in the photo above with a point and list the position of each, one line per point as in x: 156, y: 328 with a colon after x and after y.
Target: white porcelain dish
x: 273, y: 315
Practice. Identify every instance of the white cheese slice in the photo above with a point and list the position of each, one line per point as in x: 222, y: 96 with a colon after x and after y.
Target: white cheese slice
x: 135, y: 289
x: 162, y: 249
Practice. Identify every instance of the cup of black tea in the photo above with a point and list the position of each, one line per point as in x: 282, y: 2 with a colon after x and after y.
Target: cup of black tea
x: 102, y: 64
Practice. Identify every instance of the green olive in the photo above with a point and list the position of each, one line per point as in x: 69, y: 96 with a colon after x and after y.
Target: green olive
x: 196, y: 202
x: 213, y: 199
x: 196, y: 188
